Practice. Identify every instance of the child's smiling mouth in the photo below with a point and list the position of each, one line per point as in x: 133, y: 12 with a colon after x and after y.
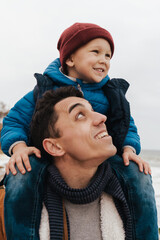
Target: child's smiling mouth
x: 99, y: 69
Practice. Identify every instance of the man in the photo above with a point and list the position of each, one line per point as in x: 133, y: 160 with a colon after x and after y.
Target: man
x: 81, y: 197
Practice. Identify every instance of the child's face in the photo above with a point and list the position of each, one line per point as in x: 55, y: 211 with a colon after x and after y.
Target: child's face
x: 91, y: 62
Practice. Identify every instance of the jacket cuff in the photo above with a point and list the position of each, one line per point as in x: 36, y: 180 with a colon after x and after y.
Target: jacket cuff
x: 133, y: 149
x: 12, y: 146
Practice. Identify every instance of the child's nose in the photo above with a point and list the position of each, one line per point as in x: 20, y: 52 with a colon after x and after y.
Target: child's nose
x: 102, y: 59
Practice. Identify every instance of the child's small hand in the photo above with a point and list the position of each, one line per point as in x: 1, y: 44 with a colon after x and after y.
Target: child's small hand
x: 129, y: 155
x: 20, y: 156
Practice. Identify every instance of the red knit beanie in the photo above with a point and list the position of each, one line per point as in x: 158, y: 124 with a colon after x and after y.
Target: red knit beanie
x: 79, y: 34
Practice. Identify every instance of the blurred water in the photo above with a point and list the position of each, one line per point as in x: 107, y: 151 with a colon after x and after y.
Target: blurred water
x: 152, y: 157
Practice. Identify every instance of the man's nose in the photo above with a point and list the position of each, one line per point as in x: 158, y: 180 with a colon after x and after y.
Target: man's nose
x: 98, y: 118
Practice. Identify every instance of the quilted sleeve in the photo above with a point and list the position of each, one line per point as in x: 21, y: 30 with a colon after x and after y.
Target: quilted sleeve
x: 132, y: 137
x: 16, y: 124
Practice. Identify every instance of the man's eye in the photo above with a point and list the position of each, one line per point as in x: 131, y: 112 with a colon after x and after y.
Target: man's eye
x: 79, y: 115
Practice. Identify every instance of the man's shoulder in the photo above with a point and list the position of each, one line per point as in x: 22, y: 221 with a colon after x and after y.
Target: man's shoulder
x: 115, y: 160
x: 124, y: 173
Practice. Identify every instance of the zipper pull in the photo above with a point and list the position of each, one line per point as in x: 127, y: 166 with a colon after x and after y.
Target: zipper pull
x: 79, y: 88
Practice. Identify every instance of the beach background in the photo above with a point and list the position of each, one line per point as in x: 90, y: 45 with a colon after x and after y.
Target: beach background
x: 29, y: 34
x: 151, y: 156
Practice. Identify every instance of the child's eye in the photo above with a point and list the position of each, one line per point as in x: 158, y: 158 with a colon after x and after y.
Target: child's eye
x: 108, y: 55
x: 79, y: 115
x: 95, y: 51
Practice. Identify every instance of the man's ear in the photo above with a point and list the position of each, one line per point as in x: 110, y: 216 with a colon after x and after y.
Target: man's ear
x: 70, y: 62
x: 51, y: 146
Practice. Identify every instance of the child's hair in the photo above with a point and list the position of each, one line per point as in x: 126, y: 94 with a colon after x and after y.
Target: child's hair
x: 76, y: 36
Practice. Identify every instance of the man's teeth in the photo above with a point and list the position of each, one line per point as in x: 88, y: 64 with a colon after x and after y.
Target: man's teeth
x: 101, y: 135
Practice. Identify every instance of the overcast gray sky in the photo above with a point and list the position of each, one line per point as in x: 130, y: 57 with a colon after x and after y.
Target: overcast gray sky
x: 29, y: 31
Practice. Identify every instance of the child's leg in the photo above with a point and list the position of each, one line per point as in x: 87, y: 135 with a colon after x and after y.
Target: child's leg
x: 23, y: 202
x: 141, y: 198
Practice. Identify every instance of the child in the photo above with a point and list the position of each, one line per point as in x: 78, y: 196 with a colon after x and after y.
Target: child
x: 85, y: 53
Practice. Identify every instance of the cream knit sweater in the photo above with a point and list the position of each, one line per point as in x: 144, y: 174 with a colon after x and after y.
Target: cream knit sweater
x: 110, y: 221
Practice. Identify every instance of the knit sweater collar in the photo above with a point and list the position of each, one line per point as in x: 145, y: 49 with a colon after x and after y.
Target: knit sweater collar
x: 79, y: 196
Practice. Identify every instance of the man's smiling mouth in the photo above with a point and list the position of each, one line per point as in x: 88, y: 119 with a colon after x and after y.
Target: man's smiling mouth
x: 101, y: 135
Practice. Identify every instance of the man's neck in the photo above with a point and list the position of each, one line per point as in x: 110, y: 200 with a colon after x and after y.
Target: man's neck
x: 76, y: 176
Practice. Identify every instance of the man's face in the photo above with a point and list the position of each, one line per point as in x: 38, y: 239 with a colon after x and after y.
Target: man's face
x: 91, y: 62
x: 84, y: 137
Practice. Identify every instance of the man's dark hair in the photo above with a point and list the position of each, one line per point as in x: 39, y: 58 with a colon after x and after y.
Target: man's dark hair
x: 45, y: 116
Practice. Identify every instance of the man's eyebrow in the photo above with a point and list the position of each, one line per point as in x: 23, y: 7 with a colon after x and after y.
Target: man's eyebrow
x: 75, y: 105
